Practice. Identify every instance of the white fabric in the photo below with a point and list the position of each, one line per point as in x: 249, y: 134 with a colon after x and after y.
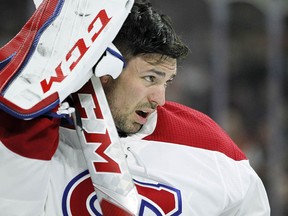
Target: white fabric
x: 28, y: 184
x: 171, y: 177
x: 210, y: 183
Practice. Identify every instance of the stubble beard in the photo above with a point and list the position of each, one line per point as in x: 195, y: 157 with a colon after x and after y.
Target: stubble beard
x: 124, y: 125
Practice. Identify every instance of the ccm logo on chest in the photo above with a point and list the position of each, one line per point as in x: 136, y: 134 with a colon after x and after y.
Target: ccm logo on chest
x: 79, y: 49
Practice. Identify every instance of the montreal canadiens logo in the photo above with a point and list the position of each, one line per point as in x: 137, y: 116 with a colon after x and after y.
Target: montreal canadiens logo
x: 79, y: 198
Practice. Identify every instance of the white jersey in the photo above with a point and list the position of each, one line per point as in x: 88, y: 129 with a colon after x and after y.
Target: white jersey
x: 181, y: 162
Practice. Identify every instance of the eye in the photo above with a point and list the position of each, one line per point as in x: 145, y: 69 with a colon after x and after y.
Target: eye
x: 168, y: 83
x: 150, y: 78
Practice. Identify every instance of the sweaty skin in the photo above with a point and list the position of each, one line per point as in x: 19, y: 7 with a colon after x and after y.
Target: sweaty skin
x: 139, y: 89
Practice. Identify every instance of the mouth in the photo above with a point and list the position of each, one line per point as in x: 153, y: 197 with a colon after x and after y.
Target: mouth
x: 143, y: 114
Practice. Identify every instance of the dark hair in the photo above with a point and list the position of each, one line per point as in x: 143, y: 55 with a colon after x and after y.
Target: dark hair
x: 146, y: 31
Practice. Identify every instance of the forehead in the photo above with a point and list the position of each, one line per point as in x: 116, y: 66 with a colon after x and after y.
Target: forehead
x: 156, y: 59
x: 159, y: 62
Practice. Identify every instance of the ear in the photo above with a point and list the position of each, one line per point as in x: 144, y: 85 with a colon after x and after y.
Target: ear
x: 105, y: 79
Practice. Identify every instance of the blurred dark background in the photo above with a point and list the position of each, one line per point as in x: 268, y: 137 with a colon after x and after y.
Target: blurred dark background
x: 236, y: 72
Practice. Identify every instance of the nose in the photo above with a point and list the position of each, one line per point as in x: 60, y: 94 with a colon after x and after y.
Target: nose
x: 157, y: 95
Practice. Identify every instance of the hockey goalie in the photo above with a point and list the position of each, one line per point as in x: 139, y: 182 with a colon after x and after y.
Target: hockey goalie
x: 85, y: 128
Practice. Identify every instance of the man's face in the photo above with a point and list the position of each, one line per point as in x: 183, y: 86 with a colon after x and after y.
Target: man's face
x: 139, y: 89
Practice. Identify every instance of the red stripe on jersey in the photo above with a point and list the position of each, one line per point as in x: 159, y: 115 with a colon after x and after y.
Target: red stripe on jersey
x: 37, y: 138
x: 182, y: 125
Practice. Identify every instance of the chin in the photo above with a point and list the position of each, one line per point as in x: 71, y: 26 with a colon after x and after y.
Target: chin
x: 137, y: 128
x: 132, y: 130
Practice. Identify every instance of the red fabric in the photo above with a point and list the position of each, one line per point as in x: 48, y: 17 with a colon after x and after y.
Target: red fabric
x: 182, y: 125
x: 37, y: 138
x: 110, y: 209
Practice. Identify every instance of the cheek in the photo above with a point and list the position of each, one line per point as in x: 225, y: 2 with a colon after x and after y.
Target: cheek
x: 128, y: 92
x: 130, y: 98
x: 136, y: 92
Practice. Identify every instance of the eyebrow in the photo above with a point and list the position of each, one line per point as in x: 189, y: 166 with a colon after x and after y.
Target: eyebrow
x: 162, y: 74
